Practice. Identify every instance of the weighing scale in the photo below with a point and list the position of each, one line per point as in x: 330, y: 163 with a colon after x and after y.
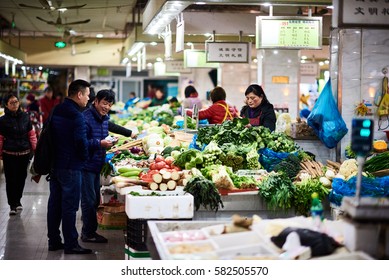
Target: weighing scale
x: 367, y: 217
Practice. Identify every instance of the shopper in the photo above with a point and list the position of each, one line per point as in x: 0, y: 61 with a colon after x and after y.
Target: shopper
x: 131, y: 101
x: 219, y: 111
x: 71, y: 152
x: 258, y: 109
x: 96, y: 118
x: 160, y: 98
x: 191, y: 98
x: 47, y: 103
x: 34, y: 111
x: 17, y: 143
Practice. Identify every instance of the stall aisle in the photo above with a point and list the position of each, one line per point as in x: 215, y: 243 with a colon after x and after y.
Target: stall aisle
x: 23, y: 237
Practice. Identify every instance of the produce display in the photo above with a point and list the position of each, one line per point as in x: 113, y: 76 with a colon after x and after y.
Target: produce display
x: 220, y: 157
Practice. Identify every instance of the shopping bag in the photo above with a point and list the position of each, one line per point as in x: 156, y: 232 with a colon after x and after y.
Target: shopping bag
x: 326, y: 120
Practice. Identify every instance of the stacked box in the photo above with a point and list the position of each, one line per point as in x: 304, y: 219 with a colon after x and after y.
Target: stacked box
x: 111, y: 216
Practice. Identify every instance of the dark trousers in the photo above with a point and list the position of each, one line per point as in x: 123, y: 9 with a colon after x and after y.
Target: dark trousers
x: 90, y: 200
x: 64, y: 201
x: 15, y: 172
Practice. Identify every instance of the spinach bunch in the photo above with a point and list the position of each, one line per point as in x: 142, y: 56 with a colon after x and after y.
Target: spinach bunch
x: 277, y: 190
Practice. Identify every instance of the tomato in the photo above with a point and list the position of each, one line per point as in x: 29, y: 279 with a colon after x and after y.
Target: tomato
x: 169, y: 160
x: 160, y: 165
x: 159, y: 158
x: 152, y: 166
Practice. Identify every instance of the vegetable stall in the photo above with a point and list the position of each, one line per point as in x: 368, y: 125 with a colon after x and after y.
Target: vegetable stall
x: 224, y: 170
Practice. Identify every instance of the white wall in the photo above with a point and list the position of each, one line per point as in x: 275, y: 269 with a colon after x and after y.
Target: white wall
x: 363, y: 53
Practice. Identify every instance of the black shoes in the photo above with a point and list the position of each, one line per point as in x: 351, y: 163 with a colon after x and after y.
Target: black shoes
x: 13, y: 212
x: 78, y: 250
x: 94, y: 238
x: 56, y: 247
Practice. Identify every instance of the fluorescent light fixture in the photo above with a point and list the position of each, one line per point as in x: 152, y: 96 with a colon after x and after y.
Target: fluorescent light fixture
x: 168, y: 12
x: 11, y: 58
x: 99, y: 35
x: 135, y: 48
x: 154, y: 43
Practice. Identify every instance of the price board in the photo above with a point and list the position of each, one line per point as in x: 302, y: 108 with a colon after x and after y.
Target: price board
x: 288, y: 32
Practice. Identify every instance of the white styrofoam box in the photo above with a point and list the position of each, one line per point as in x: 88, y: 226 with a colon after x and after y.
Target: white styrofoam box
x: 196, y: 250
x: 159, y: 207
x: 182, y: 236
x: 252, y: 251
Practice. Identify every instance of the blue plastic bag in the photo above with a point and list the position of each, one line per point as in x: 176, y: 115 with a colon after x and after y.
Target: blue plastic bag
x: 371, y: 187
x: 269, y: 158
x: 326, y: 120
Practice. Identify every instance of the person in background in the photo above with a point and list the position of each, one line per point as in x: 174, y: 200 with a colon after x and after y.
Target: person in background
x: 191, y: 98
x: 17, y: 142
x: 47, y: 103
x: 34, y: 111
x: 258, y: 109
x: 68, y: 130
x: 159, y: 99
x: 131, y: 101
x: 219, y: 111
x: 96, y: 117
x: 151, y: 91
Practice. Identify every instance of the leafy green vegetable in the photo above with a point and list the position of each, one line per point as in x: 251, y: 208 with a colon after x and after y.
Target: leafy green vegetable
x: 277, y: 190
x: 303, y: 195
x: 290, y: 166
x: 205, y: 193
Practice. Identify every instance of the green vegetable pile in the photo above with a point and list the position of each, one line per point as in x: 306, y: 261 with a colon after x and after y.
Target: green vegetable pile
x: 378, y: 162
x: 277, y: 190
x: 290, y: 166
x: 205, y: 193
x: 236, y: 132
x: 302, y: 195
x: 189, y: 159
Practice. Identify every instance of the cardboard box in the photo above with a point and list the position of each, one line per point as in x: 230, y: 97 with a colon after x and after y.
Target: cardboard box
x: 112, y: 216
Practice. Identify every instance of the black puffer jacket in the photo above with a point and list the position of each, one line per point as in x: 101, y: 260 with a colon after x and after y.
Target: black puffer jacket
x: 14, y: 127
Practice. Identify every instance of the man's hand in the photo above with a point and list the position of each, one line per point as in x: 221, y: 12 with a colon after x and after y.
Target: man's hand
x: 106, y: 143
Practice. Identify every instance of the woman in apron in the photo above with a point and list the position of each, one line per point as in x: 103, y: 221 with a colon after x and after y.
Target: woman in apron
x: 258, y: 109
x: 219, y: 111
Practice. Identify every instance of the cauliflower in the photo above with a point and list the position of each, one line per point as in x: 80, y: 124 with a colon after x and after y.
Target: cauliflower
x: 348, y: 167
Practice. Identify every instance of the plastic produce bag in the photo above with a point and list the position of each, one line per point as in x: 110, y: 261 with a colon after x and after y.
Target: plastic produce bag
x: 269, y: 158
x: 371, y: 187
x: 321, y: 244
x: 326, y: 120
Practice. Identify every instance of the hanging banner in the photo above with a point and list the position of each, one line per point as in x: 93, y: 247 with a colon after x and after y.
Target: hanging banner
x: 231, y: 52
x: 180, y: 33
x: 197, y: 59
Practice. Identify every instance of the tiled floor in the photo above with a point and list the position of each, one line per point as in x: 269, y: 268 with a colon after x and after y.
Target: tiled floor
x: 24, y: 236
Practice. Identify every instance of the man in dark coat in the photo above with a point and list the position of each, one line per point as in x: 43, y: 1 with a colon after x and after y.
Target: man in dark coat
x: 71, y: 152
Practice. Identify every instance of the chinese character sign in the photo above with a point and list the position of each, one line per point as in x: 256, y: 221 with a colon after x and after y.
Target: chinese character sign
x: 364, y: 12
x: 234, y: 52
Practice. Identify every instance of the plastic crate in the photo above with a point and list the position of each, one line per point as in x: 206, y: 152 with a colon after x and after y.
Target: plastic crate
x: 137, y: 234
